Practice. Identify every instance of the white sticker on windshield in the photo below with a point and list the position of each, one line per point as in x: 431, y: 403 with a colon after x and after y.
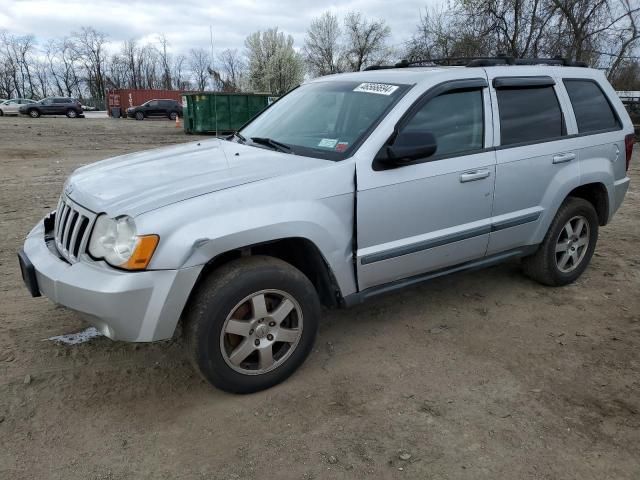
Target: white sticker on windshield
x: 328, y: 142
x: 379, y: 88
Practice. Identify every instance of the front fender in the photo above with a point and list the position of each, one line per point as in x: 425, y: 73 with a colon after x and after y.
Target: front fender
x: 314, y: 207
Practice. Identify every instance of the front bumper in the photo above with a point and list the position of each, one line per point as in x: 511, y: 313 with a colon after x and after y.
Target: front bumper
x: 130, y: 306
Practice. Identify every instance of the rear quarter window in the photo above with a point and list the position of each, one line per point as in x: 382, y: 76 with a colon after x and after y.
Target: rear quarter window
x: 591, y: 107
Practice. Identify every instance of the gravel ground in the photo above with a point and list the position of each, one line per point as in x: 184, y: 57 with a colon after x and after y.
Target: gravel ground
x: 485, y: 375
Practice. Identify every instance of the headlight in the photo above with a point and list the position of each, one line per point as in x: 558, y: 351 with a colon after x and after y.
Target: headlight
x: 116, y: 241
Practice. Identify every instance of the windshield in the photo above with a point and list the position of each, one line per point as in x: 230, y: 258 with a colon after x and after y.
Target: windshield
x: 324, y: 119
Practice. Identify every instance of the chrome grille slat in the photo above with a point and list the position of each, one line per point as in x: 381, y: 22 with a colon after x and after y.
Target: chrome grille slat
x: 65, y: 231
x: 63, y: 214
x: 72, y: 229
x: 57, y: 218
x: 74, y: 236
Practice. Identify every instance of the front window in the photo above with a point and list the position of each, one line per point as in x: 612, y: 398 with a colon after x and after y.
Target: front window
x: 325, y: 119
x: 456, y: 120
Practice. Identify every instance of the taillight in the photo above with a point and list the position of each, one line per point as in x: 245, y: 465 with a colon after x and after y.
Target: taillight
x: 628, y: 147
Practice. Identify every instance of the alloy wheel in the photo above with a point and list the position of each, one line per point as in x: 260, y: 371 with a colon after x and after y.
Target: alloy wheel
x: 261, y: 332
x: 572, y: 244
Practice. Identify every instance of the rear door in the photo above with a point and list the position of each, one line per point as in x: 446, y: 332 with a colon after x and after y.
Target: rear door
x: 435, y: 212
x: 536, y: 164
x: 61, y: 105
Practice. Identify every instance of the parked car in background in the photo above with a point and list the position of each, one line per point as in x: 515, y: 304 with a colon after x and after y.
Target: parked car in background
x: 156, y: 108
x: 12, y: 106
x: 53, y: 106
x: 88, y: 108
x: 348, y: 187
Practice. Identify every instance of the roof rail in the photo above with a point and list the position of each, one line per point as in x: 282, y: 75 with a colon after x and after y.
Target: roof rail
x: 499, y: 59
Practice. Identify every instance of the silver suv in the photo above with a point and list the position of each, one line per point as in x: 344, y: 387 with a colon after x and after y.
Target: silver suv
x: 348, y: 187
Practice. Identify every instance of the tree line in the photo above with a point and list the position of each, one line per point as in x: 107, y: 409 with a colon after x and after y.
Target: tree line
x: 603, y: 33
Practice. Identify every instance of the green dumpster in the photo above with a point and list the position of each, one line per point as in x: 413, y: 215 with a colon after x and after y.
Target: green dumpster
x: 213, y: 112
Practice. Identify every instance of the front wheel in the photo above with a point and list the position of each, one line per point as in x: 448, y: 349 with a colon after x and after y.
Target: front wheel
x: 173, y: 115
x: 252, y: 323
x: 139, y: 116
x: 33, y: 113
x: 568, y: 246
x: 71, y: 113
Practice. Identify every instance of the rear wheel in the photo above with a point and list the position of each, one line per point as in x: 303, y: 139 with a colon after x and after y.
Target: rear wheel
x: 252, y: 323
x: 1, y: 113
x: 173, y: 115
x: 71, y: 113
x: 34, y: 113
x: 139, y: 116
x: 568, y: 246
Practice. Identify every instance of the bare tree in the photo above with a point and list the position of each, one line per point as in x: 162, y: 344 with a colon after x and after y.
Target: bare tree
x: 444, y: 32
x: 89, y: 45
x: 165, y: 60
x: 366, y: 41
x: 232, y: 69
x: 199, y: 65
x: 179, y: 79
x: 323, y: 50
x: 625, y: 37
x: 516, y: 27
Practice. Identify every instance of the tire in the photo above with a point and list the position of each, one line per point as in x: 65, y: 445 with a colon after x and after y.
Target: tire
x: 561, y: 258
x: 232, y: 290
x: 71, y: 113
x: 1, y: 113
x: 139, y: 116
x: 34, y: 113
x: 172, y: 116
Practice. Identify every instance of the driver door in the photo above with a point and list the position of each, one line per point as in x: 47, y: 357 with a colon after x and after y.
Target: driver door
x: 435, y: 212
x: 47, y: 106
x: 152, y: 108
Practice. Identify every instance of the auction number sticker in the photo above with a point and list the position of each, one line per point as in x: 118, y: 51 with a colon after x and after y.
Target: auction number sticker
x: 378, y: 88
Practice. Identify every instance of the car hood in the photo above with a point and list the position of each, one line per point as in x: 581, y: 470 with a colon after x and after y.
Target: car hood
x: 139, y: 182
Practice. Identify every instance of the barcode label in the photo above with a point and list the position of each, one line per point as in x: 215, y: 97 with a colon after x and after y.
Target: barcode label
x: 378, y: 88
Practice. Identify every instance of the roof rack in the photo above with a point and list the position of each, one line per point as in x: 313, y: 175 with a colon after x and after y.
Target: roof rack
x: 500, y: 59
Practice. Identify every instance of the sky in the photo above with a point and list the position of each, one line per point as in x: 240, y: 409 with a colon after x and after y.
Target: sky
x: 186, y: 22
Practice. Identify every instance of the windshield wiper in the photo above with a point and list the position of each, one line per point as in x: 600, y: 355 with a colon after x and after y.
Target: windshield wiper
x: 274, y: 144
x: 238, y: 136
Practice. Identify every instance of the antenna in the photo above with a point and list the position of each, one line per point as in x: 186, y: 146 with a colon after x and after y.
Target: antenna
x: 211, y: 57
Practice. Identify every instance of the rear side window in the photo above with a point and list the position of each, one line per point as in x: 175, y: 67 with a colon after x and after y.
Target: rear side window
x: 592, y: 109
x: 455, y: 119
x: 529, y: 114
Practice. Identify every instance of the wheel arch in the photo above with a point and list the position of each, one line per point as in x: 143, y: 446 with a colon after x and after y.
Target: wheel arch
x: 597, y: 194
x: 299, y: 252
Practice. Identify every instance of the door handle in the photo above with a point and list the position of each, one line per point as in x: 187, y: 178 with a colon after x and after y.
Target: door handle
x: 563, y: 157
x: 473, y: 176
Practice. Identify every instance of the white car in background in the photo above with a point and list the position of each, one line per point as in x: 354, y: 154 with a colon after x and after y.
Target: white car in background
x: 11, y: 106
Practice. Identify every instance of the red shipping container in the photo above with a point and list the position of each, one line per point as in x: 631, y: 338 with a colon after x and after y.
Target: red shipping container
x: 129, y: 97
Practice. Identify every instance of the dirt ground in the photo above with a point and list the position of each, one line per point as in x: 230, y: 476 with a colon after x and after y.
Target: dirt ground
x: 484, y: 375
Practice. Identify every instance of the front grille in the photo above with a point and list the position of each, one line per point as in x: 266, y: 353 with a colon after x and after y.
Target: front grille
x: 72, y: 229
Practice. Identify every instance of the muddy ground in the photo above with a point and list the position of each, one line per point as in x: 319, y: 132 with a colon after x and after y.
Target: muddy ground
x: 484, y: 375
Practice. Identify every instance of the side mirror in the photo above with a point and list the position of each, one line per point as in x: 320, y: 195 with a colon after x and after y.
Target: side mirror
x: 409, y: 146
